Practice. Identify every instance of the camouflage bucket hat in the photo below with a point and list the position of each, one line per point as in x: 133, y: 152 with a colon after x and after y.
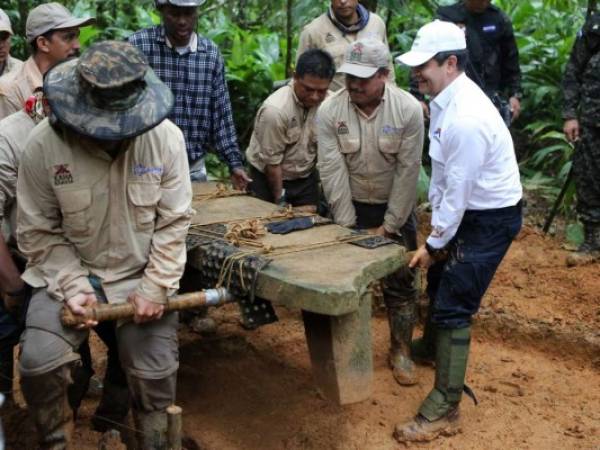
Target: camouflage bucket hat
x: 109, y: 93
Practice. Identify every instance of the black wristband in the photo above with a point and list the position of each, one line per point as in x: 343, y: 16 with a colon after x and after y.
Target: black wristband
x: 436, y: 253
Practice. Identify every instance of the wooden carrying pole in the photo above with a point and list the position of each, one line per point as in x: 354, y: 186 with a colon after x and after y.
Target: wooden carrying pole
x: 101, y: 313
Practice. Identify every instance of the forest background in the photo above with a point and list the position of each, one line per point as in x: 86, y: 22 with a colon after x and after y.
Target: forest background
x: 259, y: 38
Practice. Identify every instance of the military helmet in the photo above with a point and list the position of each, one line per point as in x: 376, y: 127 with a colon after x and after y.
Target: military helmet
x: 109, y: 93
x: 181, y: 3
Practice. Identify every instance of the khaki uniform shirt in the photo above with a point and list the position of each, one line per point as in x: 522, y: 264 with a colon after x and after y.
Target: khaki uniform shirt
x: 284, y: 134
x: 12, y: 64
x: 14, y: 131
x: 17, y: 86
x: 124, y: 220
x: 321, y: 33
x: 374, y: 159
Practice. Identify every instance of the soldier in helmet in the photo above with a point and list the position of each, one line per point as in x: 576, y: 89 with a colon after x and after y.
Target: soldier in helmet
x: 104, y: 208
x: 192, y: 66
x: 53, y: 34
x: 581, y: 112
x: 7, y: 62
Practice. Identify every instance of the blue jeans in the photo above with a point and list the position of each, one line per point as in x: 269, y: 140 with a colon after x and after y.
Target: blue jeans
x: 456, y: 286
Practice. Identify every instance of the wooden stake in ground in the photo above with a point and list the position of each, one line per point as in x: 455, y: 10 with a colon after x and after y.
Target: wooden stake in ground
x: 174, y: 427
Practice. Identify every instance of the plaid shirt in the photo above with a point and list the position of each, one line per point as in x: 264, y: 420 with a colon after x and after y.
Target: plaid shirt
x: 197, y: 79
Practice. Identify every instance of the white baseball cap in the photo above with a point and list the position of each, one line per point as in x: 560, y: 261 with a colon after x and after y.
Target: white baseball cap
x: 5, y: 23
x: 365, y: 57
x: 433, y: 38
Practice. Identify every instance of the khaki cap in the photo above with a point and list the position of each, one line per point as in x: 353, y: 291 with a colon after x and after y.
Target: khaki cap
x: 365, y: 57
x: 5, y: 23
x: 52, y: 16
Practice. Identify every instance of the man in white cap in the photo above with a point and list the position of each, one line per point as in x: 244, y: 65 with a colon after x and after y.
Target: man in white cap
x: 7, y: 62
x: 53, y: 34
x: 344, y: 22
x: 475, y: 194
x: 370, y: 137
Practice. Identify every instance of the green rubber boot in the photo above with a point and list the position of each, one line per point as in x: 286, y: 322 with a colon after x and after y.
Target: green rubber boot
x: 439, y: 414
x: 402, y: 322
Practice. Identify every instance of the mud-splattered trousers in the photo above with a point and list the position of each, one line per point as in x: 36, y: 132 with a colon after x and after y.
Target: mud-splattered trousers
x: 455, y: 286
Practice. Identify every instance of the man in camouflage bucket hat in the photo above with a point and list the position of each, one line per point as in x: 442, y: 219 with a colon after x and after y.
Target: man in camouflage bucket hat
x: 104, y: 208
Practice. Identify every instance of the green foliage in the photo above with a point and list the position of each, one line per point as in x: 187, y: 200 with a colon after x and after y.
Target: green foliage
x: 253, y: 61
x: 252, y: 37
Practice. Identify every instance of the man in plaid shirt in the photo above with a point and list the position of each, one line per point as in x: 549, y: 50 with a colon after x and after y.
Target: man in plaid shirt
x: 193, y: 68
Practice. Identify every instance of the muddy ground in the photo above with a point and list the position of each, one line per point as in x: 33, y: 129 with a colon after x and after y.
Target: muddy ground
x: 535, y: 367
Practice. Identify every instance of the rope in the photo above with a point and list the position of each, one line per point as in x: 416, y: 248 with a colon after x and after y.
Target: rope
x: 287, y: 213
x: 222, y: 191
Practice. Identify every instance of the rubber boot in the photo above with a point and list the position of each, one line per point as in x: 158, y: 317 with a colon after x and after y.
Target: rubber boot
x: 422, y: 350
x: 46, y: 397
x: 151, y: 429
x: 402, y: 320
x: 589, y: 250
x: 150, y: 400
x: 439, y: 414
x: 112, y: 409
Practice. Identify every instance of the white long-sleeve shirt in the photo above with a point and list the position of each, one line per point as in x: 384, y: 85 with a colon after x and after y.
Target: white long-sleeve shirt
x: 472, y: 158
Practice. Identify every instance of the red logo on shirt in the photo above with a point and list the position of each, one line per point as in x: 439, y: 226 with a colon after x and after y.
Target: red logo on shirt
x: 62, y: 175
x: 342, y: 128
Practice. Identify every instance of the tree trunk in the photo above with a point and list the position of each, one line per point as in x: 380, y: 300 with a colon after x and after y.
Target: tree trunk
x: 371, y: 5
x: 288, y: 56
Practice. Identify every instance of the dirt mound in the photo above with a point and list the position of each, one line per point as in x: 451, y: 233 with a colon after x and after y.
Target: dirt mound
x: 532, y: 368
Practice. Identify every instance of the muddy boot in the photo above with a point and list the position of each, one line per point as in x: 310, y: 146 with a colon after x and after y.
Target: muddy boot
x: 402, y: 321
x: 438, y: 414
x: 46, y: 397
x: 112, y: 409
x: 422, y: 350
x: 589, y: 251
x: 151, y: 429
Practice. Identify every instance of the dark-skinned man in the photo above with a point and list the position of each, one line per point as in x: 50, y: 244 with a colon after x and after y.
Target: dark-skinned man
x: 283, y: 147
x: 192, y: 66
x: 7, y: 62
x: 104, y: 206
x: 344, y: 22
x: 53, y: 34
x: 369, y: 153
x: 475, y: 195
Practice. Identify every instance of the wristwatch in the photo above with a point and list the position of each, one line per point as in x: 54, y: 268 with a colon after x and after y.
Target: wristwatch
x: 437, y: 254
